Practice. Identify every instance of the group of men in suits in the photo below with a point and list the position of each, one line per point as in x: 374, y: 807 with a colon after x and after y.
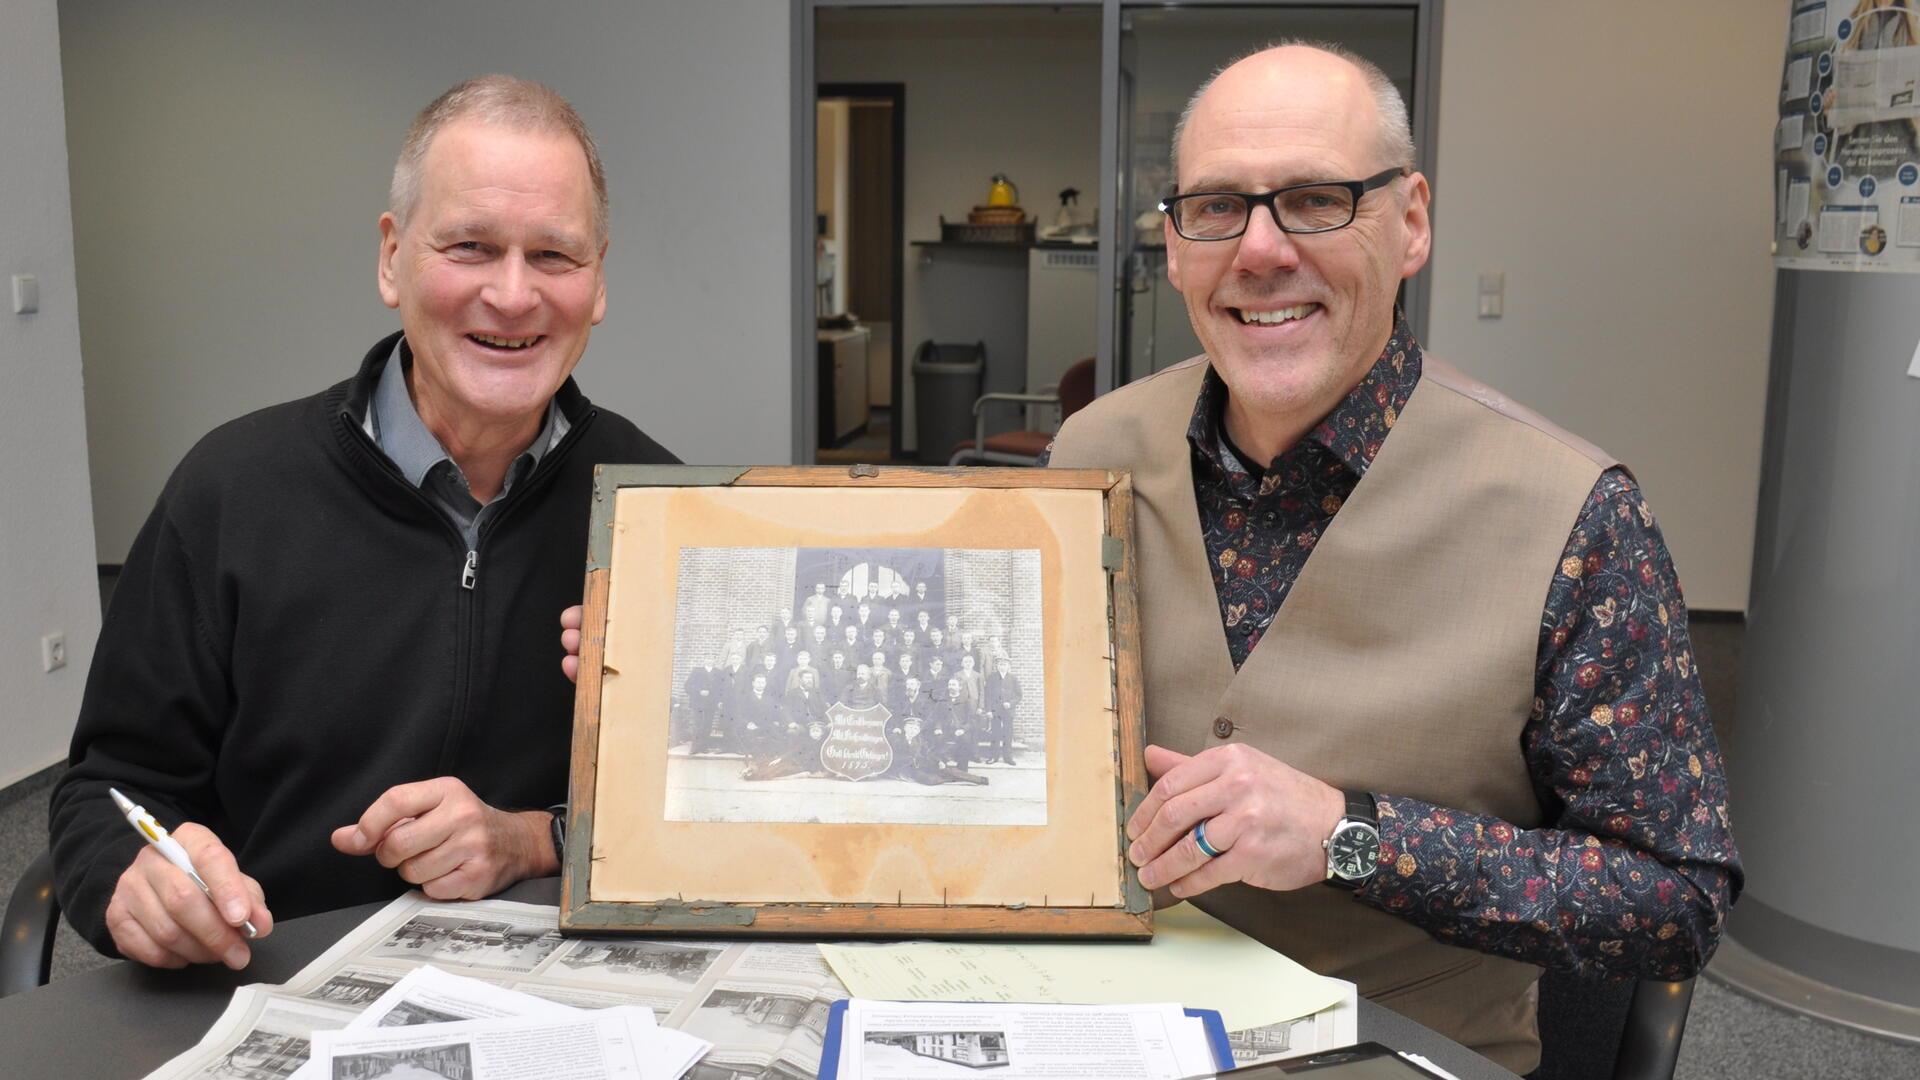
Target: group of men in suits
x: 768, y: 698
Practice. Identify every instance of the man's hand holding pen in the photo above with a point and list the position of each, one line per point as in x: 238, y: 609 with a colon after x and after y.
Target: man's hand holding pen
x: 184, y: 901
x: 158, y: 916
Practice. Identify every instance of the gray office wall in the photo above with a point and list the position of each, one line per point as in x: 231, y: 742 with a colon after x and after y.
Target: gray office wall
x: 1636, y: 308
x: 230, y: 159
x: 1824, y: 753
x: 47, y: 580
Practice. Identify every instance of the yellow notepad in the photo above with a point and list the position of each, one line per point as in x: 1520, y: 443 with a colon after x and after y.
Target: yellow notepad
x: 1194, y: 959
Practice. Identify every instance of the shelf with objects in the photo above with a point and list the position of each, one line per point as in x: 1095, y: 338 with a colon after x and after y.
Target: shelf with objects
x: 1026, y: 245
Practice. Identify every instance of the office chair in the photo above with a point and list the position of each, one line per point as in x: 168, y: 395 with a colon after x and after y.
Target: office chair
x: 1024, y: 447
x: 1656, y: 1020
x: 1593, y: 1030
x: 33, y: 913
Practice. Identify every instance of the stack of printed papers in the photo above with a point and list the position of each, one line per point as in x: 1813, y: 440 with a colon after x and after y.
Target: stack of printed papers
x: 908, y: 1040
x: 762, y: 1005
x: 434, y: 1024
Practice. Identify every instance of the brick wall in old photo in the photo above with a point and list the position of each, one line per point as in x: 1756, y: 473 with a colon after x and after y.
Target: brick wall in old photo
x: 723, y: 590
x: 997, y: 594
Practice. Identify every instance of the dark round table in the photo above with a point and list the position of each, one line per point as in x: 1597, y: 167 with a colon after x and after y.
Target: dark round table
x: 124, y: 1021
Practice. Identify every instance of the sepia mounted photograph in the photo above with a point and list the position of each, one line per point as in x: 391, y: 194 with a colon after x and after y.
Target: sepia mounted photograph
x: 877, y: 685
x: 868, y: 702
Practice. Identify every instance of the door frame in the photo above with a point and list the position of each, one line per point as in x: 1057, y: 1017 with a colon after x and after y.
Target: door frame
x: 896, y: 95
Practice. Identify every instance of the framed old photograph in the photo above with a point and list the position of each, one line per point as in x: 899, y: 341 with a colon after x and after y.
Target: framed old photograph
x: 857, y: 702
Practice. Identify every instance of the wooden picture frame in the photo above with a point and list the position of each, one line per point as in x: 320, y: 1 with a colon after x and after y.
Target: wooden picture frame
x: 878, y: 817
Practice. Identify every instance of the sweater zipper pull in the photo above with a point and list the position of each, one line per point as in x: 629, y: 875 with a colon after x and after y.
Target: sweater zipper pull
x: 471, y: 570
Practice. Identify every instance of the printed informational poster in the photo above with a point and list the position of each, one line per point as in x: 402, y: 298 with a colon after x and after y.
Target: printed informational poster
x: 1847, y: 147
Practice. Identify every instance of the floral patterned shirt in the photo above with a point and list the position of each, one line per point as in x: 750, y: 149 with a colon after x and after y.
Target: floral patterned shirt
x: 1635, y: 873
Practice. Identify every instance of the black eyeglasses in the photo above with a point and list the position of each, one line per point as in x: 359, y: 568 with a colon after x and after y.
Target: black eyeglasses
x: 1303, y: 208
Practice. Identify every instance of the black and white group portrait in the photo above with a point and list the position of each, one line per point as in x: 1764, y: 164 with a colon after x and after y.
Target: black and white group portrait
x: 888, y: 685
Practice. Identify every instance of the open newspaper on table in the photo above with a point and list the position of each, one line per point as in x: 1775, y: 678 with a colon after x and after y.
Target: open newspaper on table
x: 763, y: 1005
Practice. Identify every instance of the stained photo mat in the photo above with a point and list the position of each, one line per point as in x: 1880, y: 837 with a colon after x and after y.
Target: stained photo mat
x: 1077, y: 728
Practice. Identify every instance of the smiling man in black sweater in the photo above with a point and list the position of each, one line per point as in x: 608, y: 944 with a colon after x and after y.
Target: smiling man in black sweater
x: 329, y: 659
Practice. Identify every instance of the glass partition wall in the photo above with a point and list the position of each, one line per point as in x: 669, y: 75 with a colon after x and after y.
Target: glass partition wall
x: 1075, y: 105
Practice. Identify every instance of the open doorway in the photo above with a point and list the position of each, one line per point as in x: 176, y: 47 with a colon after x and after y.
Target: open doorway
x: 860, y: 206
x: 1006, y: 115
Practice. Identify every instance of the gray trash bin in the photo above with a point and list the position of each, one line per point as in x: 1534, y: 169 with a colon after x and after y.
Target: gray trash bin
x: 946, y: 383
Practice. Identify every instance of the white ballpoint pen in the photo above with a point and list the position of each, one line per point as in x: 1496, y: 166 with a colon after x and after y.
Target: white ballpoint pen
x: 168, y: 847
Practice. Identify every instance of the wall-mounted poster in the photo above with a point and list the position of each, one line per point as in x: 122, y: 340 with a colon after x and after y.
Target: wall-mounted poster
x: 878, y: 701
x: 1847, y: 147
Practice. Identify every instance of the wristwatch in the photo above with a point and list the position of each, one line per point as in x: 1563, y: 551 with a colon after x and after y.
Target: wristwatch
x: 1353, y: 851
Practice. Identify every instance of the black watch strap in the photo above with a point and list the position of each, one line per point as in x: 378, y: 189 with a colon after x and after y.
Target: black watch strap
x: 559, y: 827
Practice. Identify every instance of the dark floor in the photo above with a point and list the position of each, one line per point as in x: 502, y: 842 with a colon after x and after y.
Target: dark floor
x: 870, y: 447
x: 1728, y: 1037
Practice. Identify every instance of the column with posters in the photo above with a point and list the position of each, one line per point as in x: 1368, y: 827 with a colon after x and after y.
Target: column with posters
x: 1847, y: 146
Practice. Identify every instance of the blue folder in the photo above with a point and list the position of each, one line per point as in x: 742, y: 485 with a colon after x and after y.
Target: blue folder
x: 836, y: 1018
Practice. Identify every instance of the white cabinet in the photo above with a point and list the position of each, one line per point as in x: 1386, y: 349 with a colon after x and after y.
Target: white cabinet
x: 1063, y: 302
x: 843, y: 383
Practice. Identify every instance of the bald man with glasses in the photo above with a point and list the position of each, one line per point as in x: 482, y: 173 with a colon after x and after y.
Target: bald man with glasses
x: 1401, y: 636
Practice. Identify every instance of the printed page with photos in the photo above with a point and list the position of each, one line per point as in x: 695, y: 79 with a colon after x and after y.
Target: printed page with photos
x: 763, y: 1005
x: 428, y: 995
x: 905, y: 1040
x: 611, y: 1044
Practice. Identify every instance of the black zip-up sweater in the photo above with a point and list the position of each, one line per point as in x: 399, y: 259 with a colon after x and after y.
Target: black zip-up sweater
x: 292, y: 635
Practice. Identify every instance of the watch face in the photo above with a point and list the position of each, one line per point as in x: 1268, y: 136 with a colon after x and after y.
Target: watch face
x: 1354, y: 851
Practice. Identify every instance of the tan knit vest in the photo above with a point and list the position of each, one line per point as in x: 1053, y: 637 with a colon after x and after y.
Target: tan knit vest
x: 1402, y: 661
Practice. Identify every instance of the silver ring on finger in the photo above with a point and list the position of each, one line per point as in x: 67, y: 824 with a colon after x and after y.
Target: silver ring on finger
x: 1200, y: 841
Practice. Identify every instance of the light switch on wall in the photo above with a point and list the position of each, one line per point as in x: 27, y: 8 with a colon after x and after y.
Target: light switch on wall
x: 26, y: 294
x: 1493, y: 293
